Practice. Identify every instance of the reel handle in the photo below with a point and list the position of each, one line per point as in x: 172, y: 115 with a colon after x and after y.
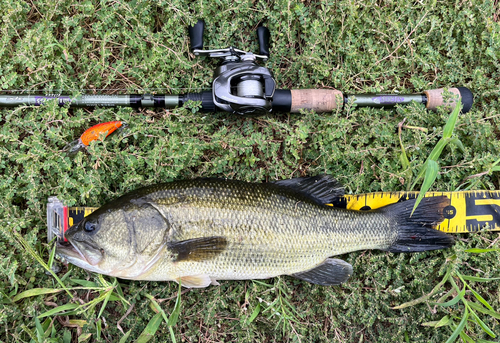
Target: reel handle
x: 263, y: 36
x: 196, y: 35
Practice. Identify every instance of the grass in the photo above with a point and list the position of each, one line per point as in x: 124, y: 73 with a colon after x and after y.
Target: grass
x: 354, y: 46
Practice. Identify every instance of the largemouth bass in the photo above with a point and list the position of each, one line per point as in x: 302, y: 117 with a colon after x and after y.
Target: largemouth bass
x: 199, y: 231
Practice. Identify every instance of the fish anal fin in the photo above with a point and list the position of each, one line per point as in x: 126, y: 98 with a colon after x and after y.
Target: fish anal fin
x: 195, y: 281
x: 197, y: 249
x: 331, y: 272
x: 322, y: 189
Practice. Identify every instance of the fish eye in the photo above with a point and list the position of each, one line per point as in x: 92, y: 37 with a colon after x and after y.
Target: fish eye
x: 90, y: 226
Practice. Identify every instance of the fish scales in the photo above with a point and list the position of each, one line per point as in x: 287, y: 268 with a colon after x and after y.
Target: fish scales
x: 266, y: 230
x: 270, y: 231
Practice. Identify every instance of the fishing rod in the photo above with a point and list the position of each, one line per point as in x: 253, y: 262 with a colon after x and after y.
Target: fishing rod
x: 242, y: 86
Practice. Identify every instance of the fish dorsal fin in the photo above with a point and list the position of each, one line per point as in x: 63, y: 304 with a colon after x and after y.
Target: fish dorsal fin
x: 195, y: 281
x: 197, y: 249
x: 323, y: 189
x: 331, y: 272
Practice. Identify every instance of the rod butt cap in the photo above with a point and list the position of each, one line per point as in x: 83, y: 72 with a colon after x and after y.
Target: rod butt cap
x: 467, y: 99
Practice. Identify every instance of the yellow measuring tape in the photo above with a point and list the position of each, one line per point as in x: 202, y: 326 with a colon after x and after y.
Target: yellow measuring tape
x: 76, y: 214
x: 469, y: 211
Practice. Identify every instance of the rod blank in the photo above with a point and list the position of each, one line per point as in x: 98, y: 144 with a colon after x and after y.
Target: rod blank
x: 319, y: 100
x: 127, y: 100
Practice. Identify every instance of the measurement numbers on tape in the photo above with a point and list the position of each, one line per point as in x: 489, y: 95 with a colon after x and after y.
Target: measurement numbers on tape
x: 469, y: 211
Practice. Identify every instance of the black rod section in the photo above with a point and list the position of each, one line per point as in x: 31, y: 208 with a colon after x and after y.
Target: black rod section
x: 206, y: 98
x: 282, y: 100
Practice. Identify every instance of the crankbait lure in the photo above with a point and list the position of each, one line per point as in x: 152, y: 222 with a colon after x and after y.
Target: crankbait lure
x: 93, y: 134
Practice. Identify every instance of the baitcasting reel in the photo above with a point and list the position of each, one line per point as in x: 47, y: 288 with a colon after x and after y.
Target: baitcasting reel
x: 240, y: 85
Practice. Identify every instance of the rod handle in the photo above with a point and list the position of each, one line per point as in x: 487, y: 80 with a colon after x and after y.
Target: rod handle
x: 318, y: 100
x: 263, y: 36
x: 435, y: 98
x: 196, y: 35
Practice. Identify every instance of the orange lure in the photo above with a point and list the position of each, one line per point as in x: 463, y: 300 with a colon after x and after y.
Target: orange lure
x: 93, y: 133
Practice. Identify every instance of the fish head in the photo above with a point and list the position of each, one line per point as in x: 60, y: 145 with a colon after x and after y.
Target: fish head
x: 100, y: 243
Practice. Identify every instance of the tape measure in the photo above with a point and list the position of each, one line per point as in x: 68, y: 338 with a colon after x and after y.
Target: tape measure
x: 76, y: 214
x: 469, y: 211
x: 60, y: 218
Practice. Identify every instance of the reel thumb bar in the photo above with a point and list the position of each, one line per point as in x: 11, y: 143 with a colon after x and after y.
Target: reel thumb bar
x: 328, y: 100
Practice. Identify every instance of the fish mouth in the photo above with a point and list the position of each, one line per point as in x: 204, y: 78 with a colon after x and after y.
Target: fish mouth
x: 69, y: 251
x: 72, y: 251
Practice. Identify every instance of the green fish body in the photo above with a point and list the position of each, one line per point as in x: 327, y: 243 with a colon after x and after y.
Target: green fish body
x: 204, y: 230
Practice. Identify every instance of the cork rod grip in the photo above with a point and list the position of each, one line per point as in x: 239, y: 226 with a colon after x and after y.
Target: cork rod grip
x: 318, y: 100
x: 436, y: 98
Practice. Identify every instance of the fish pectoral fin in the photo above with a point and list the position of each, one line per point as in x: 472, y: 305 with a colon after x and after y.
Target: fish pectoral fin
x: 195, y: 281
x: 197, y: 249
x: 331, y: 272
x: 322, y: 189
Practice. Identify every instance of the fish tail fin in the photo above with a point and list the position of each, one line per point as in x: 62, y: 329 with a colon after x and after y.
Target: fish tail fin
x: 417, y: 232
